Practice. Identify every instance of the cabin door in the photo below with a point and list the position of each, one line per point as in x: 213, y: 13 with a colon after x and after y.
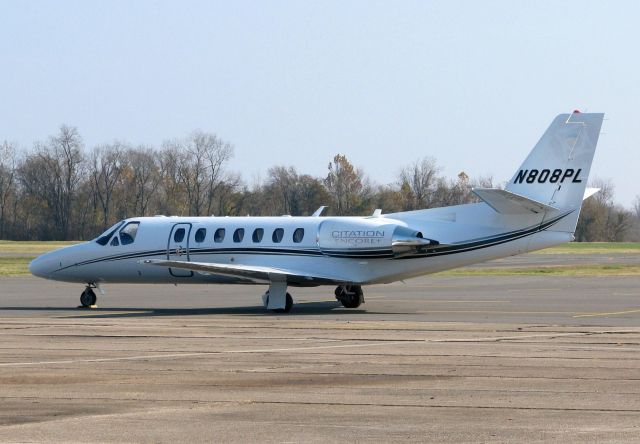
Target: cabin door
x: 178, y: 248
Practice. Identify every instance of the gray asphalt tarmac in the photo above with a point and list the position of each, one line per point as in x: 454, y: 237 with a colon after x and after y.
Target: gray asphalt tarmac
x: 436, y: 359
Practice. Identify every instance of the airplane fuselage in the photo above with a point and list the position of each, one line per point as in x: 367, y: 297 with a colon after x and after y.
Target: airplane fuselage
x: 356, y: 250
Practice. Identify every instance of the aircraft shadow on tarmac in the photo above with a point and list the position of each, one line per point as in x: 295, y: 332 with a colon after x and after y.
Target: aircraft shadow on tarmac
x: 301, y: 308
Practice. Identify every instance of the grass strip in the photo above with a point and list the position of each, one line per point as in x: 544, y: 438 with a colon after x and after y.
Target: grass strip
x: 14, y: 266
x: 34, y: 248
x: 593, y: 248
x: 552, y: 270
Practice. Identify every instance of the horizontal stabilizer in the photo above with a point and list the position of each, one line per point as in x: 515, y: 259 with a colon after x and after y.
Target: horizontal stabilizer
x: 506, y: 202
x: 590, y: 192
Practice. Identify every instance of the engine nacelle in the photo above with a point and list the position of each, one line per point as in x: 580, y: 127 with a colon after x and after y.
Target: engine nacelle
x: 369, y: 238
x: 406, y: 240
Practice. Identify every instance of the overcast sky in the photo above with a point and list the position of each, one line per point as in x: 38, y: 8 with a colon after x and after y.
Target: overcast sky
x: 471, y: 83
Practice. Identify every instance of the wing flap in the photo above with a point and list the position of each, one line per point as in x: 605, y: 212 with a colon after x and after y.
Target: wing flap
x: 506, y: 202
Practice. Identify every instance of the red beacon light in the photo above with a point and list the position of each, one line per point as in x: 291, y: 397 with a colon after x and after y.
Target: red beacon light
x: 576, y: 111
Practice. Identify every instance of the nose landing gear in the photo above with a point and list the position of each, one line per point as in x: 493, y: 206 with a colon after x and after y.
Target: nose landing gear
x: 350, y: 296
x: 88, y: 297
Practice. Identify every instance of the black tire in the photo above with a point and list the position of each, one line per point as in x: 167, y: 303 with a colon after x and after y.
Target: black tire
x: 88, y: 297
x: 353, y: 297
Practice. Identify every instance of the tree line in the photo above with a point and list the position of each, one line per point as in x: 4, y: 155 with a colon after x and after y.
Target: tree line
x: 60, y: 190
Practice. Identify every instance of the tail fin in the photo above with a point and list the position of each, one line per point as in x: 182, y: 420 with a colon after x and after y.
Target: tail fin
x: 556, y: 171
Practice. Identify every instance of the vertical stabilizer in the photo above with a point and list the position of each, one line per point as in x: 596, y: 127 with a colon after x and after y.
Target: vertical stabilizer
x: 557, y: 169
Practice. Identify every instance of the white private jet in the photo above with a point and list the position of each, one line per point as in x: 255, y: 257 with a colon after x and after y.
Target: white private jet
x: 538, y: 208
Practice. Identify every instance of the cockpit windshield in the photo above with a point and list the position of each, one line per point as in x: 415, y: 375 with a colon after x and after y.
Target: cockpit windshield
x: 104, y: 237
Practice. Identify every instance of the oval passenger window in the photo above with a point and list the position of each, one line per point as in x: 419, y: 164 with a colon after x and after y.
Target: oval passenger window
x: 298, y: 235
x: 218, y: 235
x: 201, y: 233
x: 238, y: 235
x: 278, y: 233
x: 257, y: 235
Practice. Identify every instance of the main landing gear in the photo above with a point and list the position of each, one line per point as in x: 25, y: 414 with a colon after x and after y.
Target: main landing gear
x: 88, y: 297
x: 287, y: 305
x: 350, y: 296
x: 278, y: 300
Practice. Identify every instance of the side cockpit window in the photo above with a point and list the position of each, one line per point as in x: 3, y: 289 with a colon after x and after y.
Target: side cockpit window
x: 128, y: 233
x: 103, y: 239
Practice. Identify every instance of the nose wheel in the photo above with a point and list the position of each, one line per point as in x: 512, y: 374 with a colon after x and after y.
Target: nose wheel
x: 88, y: 298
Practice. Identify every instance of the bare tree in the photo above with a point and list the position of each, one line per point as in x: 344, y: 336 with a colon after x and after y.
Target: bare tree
x: 344, y: 184
x: 282, y: 189
x: 291, y: 193
x: 145, y: 177
x: 619, y: 222
x: 229, y: 198
x: 389, y: 199
x: 106, y: 169
x: 7, y: 180
x: 600, y: 218
x: 51, y: 173
x: 67, y: 146
x: 417, y: 182
x: 217, y: 155
x: 192, y: 173
x: 173, y: 194
x: 200, y: 161
x: 311, y: 195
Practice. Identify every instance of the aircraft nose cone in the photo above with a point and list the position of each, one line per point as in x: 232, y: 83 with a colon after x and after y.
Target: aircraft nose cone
x: 36, y: 267
x: 41, y: 267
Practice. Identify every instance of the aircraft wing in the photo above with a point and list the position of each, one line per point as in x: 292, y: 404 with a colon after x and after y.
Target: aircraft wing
x: 251, y: 273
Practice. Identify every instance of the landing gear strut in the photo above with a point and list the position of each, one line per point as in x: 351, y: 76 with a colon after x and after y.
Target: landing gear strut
x: 287, y: 307
x: 350, y: 296
x: 276, y: 298
x: 88, y: 297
